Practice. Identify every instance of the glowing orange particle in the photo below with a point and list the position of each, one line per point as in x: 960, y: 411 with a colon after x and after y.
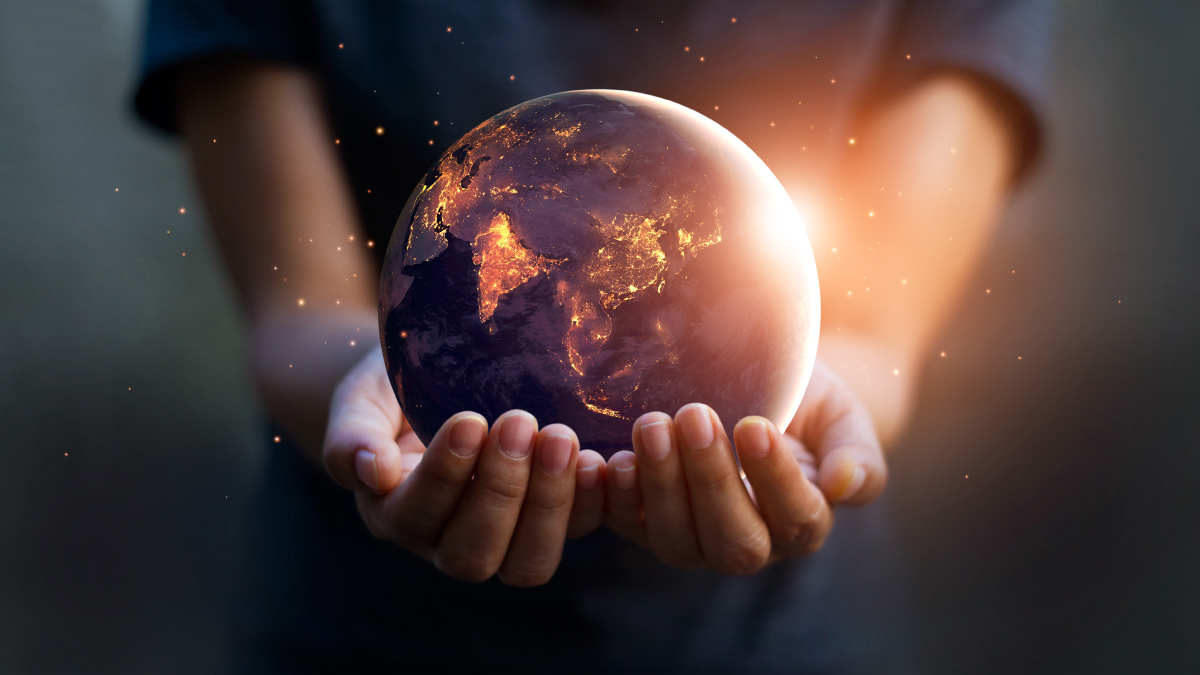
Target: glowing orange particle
x: 300, y: 302
x: 378, y: 131
x: 341, y: 46
x: 277, y: 439
x: 182, y: 210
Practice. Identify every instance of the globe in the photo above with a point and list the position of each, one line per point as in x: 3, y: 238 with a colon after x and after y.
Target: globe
x: 590, y: 256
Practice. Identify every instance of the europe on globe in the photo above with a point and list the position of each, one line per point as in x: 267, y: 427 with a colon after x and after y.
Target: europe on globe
x: 591, y: 256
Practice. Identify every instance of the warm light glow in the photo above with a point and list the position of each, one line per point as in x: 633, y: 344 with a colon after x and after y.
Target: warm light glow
x: 503, y: 263
x: 182, y: 210
x: 300, y: 302
x: 378, y: 131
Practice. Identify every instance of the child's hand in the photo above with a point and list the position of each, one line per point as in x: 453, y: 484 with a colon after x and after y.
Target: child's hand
x: 680, y: 494
x: 474, y: 503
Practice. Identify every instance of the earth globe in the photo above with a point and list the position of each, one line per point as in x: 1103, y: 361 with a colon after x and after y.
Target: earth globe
x: 593, y: 255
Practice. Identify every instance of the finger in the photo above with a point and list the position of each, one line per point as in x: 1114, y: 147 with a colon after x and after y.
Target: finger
x: 537, y: 543
x: 415, y: 514
x: 732, y: 534
x: 670, y: 529
x: 831, y: 422
x: 476, y: 539
x: 623, y: 503
x: 360, y: 451
x: 587, y: 509
x: 794, y: 509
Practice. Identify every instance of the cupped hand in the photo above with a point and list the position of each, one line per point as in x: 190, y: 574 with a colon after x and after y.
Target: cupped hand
x: 476, y: 502
x: 680, y: 494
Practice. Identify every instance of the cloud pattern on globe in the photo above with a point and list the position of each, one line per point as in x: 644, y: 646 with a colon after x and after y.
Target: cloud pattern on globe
x: 593, y: 255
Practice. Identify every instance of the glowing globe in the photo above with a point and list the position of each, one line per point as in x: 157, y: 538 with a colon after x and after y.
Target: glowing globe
x: 591, y: 256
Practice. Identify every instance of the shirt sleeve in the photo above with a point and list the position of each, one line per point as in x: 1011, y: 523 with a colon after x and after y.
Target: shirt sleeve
x: 181, y: 31
x: 1003, y: 44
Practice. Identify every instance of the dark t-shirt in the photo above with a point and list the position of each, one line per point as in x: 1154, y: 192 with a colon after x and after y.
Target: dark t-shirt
x: 788, y: 79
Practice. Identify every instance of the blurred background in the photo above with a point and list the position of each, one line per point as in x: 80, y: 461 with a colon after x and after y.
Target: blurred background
x: 1047, y: 493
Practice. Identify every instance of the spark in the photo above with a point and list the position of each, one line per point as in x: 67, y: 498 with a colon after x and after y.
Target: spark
x: 352, y: 343
x: 716, y: 107
x: 989, y: 290
x: 275, y: 268
x: 772, y: 124
x: 435, y: 123
x: 341, y: 46
x: 351, y: 237
x: 943, y: 355
x: 300, y: 302
x: 430, y: 142
x: 511, y: 78
x: 835, y: 250
x: 183, y: 255
x: 833, y: 82
x: 851, y: 141
x: 116, y: 189
x: 339, y: 248
x: 403, y: 333
x: 687, y: 49
x: 870, y: 214
x: 895, y: 371
x: 337, y: 141
x: 1018, y: 358
x: 277, y: 439
x: 378, y: 131
x: 904, y: 281
x: 908, y: 56
x: 370, y: 244
x: 733, y: 20
x: 701, y: 59
x: 182, y: 210
x: 449, y: 29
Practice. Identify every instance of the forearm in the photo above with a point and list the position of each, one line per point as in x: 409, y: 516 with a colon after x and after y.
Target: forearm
x: 283, y: 218
x: 913, y: 211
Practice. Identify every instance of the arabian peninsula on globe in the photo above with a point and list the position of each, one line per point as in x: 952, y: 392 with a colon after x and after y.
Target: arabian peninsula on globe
x: 591, y: 256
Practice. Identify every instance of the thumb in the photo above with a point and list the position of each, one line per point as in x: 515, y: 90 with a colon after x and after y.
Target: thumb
x: 361, y: 452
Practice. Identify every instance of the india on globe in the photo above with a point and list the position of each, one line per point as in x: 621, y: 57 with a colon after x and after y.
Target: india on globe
x: 594, y: 255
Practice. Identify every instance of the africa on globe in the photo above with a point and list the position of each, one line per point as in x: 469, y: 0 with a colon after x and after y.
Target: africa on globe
x: 591, y: 256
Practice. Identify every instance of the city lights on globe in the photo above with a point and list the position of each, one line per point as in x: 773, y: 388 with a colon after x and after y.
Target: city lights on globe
x: 591, y: 256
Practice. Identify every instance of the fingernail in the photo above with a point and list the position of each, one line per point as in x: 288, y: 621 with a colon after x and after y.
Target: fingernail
x: 556, y: 453
x: 696, y: 426
x: 624, y: 477
x: 364, y: 465
x: 466, y: 438
x: 753, y: 440
x: 587, y: 477
x: 855, y: 484
x: 656, y: 440
x: 516, y: 437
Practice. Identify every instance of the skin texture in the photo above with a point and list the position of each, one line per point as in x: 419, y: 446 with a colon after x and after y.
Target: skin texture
x: 280, y: 208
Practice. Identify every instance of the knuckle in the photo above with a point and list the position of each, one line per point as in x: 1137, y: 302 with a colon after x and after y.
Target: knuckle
x: 716, y: 480
x: 525, y: 576
x: 465, y: 566
x: 541, y: 504
x: 745, y: 556
x: 503, y: 490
